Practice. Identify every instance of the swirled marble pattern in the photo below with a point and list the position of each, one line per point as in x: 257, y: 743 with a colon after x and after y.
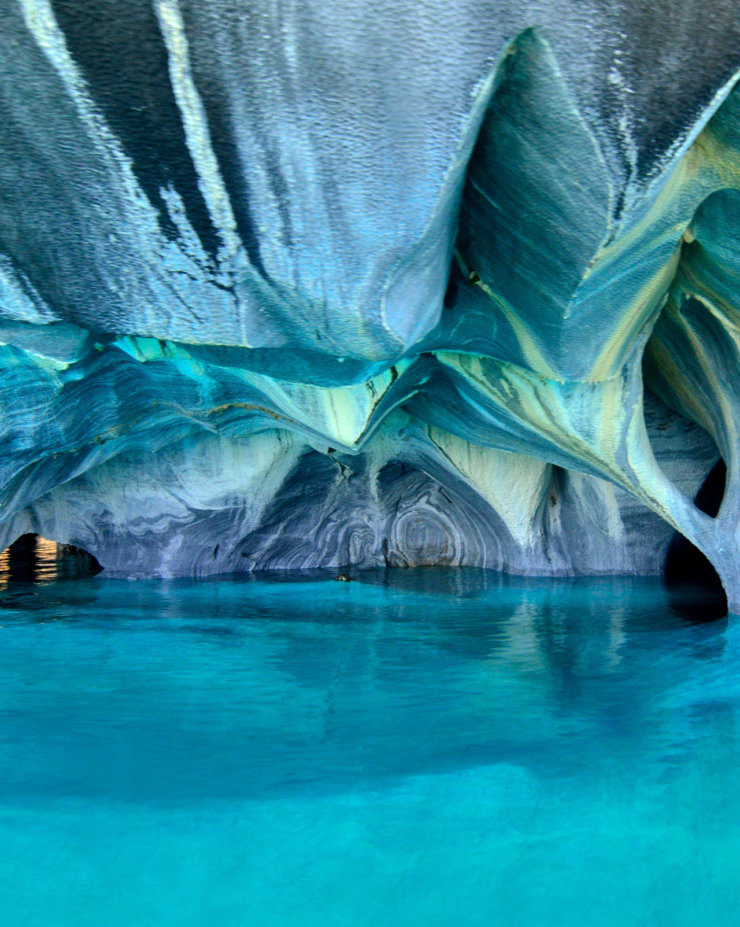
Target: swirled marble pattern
x: 295, y: 286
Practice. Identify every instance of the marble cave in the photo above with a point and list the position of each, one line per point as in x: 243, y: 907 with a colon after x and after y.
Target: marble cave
x: 291, y: 285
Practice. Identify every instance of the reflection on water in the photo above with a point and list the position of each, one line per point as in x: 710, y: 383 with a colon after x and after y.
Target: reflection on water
x: 33, y: 559
x: 323, y: 685
x: 353, y: 743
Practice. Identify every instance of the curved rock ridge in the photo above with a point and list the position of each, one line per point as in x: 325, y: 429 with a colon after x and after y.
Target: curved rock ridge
x: 292, y: 288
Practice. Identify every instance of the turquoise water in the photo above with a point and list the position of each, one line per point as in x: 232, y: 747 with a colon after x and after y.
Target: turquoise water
x: 424, y: 748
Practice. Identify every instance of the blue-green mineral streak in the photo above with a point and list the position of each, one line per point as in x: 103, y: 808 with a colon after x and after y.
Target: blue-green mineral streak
x: 326, y: 285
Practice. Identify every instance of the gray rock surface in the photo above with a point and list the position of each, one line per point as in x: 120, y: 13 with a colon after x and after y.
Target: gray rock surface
x: 318, y: 285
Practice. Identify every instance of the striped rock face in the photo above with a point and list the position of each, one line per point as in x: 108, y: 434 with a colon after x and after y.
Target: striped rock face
x: 317, y: 285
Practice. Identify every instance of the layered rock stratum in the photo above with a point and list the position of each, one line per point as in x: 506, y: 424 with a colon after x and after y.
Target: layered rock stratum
x: 307, y: 284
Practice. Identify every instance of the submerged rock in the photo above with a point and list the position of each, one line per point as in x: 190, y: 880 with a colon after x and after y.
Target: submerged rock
x: 327, y: 287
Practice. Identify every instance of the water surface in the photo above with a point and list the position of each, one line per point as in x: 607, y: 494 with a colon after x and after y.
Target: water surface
x: 430, y: 747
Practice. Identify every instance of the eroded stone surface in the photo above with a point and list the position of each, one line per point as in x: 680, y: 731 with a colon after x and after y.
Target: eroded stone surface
x: 326, y: 286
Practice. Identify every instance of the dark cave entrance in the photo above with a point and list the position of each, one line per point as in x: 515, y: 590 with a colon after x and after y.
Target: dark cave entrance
x: 693, y: 583
x: 33, y: 559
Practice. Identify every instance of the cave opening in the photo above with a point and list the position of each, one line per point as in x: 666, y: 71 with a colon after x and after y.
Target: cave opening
x: 35, y: 559
x: 695, y: 587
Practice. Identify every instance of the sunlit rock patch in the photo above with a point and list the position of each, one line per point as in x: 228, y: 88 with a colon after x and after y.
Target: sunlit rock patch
x: 393, y: 288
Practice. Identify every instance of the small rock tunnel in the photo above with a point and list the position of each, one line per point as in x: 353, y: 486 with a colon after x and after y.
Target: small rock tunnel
x: 33, y: 559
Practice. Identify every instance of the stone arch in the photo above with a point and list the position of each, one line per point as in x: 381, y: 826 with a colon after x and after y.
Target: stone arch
x: 32, y: 558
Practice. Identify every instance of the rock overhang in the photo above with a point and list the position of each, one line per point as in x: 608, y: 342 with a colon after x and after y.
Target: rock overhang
x: 388, y: 241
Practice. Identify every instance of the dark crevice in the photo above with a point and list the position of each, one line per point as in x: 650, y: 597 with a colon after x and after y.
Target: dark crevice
x: 695, y: 587
x: 452, y: 292
x: 709, y: 498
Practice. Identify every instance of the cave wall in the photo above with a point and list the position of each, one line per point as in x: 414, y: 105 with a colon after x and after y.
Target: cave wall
x: 291, y: 286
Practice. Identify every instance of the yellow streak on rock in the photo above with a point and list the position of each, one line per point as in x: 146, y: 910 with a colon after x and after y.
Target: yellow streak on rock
x: 512, y: 483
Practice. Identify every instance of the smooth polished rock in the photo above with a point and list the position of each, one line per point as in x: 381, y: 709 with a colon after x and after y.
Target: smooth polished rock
x: 330, y: 286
